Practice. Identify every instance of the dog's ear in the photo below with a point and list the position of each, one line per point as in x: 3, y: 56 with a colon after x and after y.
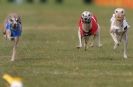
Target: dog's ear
x: 9, y: 17
x: 19, y: 19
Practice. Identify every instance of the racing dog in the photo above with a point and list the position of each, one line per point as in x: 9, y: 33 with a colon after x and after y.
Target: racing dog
x: 88, y: 29
x: 119, y: 28
x: 12, y: 30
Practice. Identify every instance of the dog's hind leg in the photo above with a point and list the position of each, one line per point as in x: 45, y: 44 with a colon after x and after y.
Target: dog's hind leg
x: 14, y: 48
x: 80, y: 39
x: 121, y: 36
x: 85, y: 42
x: 125, y: 41
x: 91, y: 41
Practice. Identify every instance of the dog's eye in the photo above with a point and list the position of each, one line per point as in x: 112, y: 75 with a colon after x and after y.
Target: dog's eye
x: 116, y: 11
x: 89, y: 15
x: 121, y: 11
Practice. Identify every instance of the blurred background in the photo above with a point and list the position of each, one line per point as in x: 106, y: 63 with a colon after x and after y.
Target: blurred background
x: 117, y: 3
x: 47, y: 54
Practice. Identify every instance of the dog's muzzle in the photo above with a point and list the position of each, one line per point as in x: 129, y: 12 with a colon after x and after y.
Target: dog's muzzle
x: 119, y: 17
x: 86, y: 20
x: 13, y: 26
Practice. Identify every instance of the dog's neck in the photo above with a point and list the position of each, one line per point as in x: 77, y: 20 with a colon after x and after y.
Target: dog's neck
x: 119, y: 23
x: 86, y: 27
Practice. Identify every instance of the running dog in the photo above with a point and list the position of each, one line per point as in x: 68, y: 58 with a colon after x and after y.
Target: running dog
x: 119, y: 28
x: 88, y: 27
x: 12, y: 30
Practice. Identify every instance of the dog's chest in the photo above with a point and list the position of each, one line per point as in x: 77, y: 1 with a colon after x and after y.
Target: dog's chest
x: 119, y: 31
x: 119, y: 25
x: 86, y: 27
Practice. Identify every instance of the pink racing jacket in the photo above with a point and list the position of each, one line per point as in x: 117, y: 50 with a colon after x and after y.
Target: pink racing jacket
x: 92, y: 31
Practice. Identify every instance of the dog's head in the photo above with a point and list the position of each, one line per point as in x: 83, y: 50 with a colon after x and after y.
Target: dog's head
x: 119, y: 14
x: 14, y: 20
x: 86, y: 16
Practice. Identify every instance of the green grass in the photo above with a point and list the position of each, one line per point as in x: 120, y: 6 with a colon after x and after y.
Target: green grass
x: 47, y: 57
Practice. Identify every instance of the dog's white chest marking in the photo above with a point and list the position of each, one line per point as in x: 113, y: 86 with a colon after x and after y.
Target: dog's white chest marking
x: 119, y: 26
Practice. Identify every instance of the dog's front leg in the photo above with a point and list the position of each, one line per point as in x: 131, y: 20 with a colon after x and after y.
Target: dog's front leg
x: 8, y: 34
x: 13, y: 53
x: 80, y: 39
x: 14, y: 48
x: 125, y: 40
x: 114, y: 37
x: 86, y: 38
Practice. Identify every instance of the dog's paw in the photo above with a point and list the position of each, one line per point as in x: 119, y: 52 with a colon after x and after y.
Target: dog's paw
x: 115, y: 46
x: 12, y: 59
x: 5, y: 37
x: 125, y: 57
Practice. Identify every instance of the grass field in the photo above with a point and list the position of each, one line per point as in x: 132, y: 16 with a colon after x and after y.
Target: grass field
x: 47, y: 57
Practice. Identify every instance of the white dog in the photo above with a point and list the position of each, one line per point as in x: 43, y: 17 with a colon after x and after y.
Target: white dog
x: 12, y: 30
x: 119, y: 28
x: 88, y: 27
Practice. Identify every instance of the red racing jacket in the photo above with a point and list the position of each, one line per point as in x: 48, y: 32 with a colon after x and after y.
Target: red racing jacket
x: 93, y: 29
